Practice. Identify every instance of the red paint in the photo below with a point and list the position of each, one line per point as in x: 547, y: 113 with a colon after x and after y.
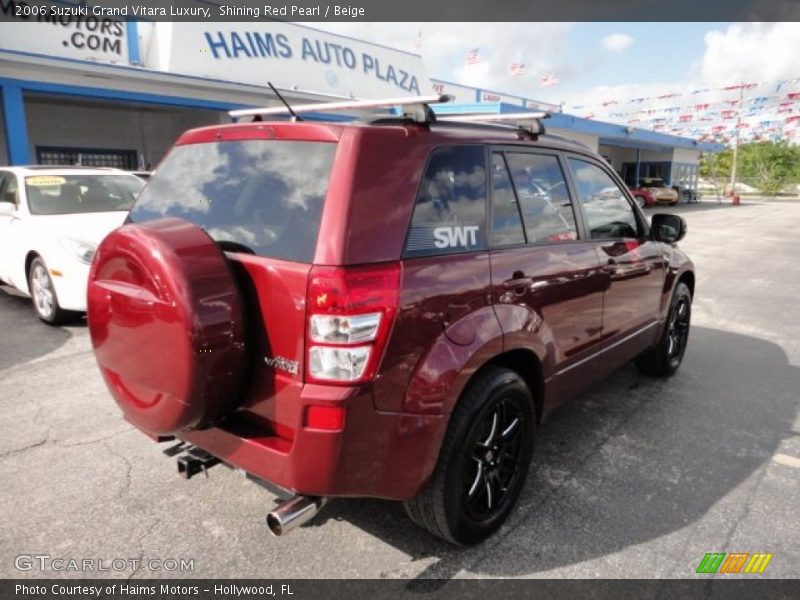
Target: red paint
x: 649, y: 199
x: 327, y: 418
x: 632, y: 245
x: 166, y: 325
x: 214, y: 348
x: 304, y: 131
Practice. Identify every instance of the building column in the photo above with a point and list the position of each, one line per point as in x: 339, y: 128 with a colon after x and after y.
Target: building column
x: 16, y: 127
x: 638, y: 161
x: 132, y: 33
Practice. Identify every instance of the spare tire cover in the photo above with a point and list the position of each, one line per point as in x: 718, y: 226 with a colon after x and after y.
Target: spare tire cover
x: 166, y: 322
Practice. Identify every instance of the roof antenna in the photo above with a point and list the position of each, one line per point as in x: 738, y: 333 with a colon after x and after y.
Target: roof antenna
x: 295, y: 116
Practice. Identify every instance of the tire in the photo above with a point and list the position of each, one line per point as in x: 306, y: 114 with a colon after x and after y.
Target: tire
x: 665, y: 357
x: 640, y: 201
x: 481, y: 469
x: 43, y: 295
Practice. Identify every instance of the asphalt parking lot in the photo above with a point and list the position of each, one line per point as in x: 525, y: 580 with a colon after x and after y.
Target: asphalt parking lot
x: 638, y: 478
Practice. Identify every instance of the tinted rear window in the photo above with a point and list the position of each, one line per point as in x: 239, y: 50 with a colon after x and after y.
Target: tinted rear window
x: 261, y: 196
x: 450, y: 211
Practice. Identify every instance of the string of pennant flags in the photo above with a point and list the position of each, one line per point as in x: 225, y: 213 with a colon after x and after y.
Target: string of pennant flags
x: 779, y: 85
x: 759, y: 111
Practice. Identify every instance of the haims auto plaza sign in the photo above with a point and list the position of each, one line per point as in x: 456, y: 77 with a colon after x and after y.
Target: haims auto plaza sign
x: 290, y: 56
x: 70, y: 34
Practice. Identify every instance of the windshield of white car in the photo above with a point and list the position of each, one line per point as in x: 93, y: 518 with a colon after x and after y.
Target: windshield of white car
x: 71, y: 194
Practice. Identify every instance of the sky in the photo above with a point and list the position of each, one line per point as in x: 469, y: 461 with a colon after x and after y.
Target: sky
x: 596, y: 61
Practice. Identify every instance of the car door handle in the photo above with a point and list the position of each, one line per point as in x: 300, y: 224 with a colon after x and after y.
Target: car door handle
x: 525, y: 284
x: 628, y: 270
x: 518, y: 282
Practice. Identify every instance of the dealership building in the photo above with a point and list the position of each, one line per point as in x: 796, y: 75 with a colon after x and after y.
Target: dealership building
x: 105, y: 92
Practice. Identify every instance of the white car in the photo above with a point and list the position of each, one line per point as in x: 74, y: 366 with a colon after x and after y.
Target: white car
x: 51, y: 221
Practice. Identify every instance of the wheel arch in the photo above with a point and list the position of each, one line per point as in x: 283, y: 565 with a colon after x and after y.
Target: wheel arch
x: 688, y: 278
x: 525, y: 363
x: 29, y: 258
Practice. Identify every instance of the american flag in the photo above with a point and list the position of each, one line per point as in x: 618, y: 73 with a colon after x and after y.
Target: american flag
x: 517, y: 69
x: 471, y: 57
x: 549, y: 79
x: 416, y: 43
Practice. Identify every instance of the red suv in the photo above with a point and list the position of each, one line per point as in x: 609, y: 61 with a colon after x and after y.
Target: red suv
x: 383, y: 309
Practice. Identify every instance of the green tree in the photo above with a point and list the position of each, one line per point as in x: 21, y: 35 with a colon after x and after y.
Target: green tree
x: 771, y: 166
x: 716, y: 165
x: 768, y: 166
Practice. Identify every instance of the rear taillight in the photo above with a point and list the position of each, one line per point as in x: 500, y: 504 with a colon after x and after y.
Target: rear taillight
x: 350, y: 314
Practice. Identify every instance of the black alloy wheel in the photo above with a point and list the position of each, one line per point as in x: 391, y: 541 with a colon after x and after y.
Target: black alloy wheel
x: 678, y: 331
x: 483, y: 462
x: 663, y: 359
x: 493, y: 467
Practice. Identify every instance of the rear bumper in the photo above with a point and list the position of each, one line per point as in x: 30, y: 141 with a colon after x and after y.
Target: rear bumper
x: 376, y: 454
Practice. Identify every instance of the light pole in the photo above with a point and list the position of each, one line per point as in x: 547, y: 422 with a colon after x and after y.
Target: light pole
x: 736, y: 140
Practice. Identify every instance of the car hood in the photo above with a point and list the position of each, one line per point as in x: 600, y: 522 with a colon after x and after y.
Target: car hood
x: 88, y: 227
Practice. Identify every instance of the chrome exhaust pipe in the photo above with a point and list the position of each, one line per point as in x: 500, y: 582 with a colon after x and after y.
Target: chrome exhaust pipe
x: 293, y: 513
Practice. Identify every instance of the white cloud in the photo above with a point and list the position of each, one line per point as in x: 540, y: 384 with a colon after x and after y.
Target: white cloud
x: 750, y: 52
x: 740, y: 53
x: 617, y: 42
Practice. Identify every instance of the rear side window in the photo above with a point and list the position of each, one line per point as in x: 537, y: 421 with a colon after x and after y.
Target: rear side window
x: 8, y: 188
x: 11, y: 190
x: 543, y: 197
x: 450, y: 211
x: 608, y: 213
x: 506, y: 221
x: 264, y: 197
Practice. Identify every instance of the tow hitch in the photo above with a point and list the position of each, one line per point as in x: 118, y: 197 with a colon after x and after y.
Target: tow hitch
x: 286, y: 517
x: 194, y: 461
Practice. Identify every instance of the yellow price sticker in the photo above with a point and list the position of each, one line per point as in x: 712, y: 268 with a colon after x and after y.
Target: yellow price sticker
x: 45, y: 180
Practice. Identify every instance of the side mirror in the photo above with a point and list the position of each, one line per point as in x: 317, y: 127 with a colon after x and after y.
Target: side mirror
x: 667, y: 228
x: 7, y: 208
